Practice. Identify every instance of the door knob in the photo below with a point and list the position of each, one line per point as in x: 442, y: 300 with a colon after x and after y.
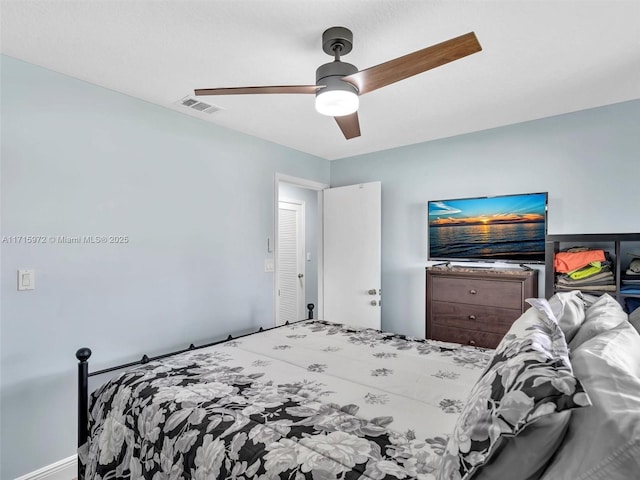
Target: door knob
x: 374, y: 303
x: 372, y: 291
x: 300, y: 275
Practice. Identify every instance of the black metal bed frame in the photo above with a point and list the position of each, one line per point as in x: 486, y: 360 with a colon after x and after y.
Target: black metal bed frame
x: 84, y: 353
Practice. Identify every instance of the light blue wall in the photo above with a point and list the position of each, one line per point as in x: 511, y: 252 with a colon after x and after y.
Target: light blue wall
x: 588, y: 161
x: 196, y: 202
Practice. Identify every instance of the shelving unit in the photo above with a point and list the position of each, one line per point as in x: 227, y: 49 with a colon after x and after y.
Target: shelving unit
x: 617, y: 244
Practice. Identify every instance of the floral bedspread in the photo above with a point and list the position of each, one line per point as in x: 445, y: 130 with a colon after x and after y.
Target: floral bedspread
x: 313, y: 400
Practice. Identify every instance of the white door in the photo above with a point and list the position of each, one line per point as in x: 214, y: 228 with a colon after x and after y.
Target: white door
x: 291, y: 282
x: 352, y: 250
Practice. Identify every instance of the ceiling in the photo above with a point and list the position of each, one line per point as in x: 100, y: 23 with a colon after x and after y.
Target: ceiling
x: 539, y: 58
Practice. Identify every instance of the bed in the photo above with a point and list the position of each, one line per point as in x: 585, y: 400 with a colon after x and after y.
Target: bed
x: 319, y: 400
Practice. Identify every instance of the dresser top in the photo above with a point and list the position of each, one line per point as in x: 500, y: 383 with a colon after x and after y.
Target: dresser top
x: 516, y: 272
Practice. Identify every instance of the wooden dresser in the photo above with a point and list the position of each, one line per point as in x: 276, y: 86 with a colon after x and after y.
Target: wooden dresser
x: 476, y: 306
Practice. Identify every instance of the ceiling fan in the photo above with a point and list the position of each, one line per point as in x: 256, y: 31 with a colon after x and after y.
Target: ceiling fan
x: 339, y: 84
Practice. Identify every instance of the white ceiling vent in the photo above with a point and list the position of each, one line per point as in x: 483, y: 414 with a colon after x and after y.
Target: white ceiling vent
x: 196, y: 104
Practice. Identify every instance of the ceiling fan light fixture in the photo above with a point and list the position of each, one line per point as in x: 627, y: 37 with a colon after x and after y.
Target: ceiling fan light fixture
x: 337, y: 103
x: 336, y: 98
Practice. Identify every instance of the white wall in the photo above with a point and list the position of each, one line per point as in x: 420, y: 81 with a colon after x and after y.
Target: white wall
x: 588, y: 161
x: 194, y: 200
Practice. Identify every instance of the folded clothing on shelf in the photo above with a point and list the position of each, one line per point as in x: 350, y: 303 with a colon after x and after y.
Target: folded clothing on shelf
x: 632, y: 304
x: 590, y: 288
x: 630, y: 289
x: 602, y: 278
x: 581, y: 268
x: 630, y: 279
x: 596, y: 276
x: 569, y: 261
x: 586, y: 271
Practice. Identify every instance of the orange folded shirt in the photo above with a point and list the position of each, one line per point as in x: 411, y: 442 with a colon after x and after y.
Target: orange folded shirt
x: 564, y: 262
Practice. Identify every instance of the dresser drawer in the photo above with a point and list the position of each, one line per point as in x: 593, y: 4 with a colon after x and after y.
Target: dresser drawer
x: 465, y: 336
x: 477, y: 292
x: 474, y: 317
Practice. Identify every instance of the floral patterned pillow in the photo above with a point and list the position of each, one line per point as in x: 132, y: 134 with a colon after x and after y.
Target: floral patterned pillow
x: 529, y: 377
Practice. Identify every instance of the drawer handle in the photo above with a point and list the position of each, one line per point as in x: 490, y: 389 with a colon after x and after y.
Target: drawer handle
x: 472, y: 317
x: 473, y: 291
x: 472, y: 343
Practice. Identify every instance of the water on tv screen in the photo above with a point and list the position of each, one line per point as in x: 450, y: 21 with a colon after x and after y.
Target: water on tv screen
x: 508, y: 228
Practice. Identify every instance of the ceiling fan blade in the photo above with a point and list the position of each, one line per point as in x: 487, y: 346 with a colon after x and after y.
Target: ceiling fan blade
x: 349, y: 125
x: 256, y: 90
x: 414, y: 63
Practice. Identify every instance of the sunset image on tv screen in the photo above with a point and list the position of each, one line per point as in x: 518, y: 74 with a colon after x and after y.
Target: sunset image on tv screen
x: 510, y: 227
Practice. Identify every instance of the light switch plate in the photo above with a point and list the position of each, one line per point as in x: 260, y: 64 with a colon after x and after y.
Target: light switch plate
x: 268, y: 265
x: 26, y: 280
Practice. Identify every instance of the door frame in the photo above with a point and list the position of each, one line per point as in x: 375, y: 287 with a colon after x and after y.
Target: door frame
x: 311, y: 185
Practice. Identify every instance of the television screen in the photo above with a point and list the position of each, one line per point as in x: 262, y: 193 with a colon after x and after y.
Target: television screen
x: 507, y: 228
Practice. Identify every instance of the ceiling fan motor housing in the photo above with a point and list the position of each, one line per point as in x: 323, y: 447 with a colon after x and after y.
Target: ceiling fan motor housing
x: 330, y: 75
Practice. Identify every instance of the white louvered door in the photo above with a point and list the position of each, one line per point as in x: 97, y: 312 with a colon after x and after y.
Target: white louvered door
x: 290, y: 288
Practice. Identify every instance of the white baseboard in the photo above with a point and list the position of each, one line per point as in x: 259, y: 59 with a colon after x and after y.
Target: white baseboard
x: 65, y: 469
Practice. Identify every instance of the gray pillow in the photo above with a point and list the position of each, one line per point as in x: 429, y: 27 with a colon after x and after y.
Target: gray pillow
x: 529, y: 378
x: 603, y: 441
x: 566, y: 309
x: 529, y: 452
x: 634, y: 319
x: 603, y: 315
x: 569, y: 310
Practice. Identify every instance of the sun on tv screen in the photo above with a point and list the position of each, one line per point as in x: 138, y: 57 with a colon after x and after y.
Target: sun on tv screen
x: 506, y: 228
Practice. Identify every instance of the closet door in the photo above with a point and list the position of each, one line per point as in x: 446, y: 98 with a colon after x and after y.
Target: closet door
x: 291, y: 282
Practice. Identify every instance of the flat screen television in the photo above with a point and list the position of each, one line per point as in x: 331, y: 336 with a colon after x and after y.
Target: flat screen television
x: 505, y: 228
